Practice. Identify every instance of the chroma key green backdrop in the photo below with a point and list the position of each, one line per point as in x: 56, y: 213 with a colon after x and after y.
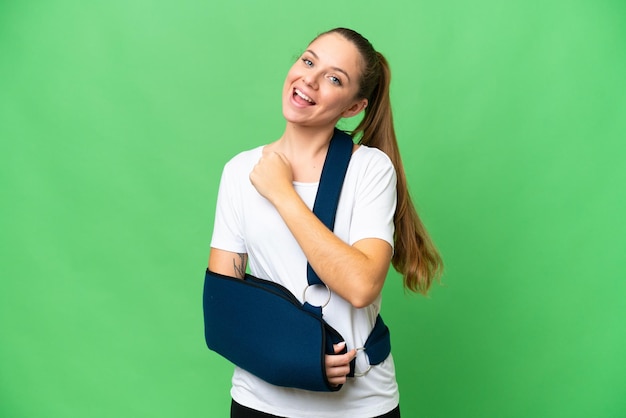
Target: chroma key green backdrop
x: 116, y: 118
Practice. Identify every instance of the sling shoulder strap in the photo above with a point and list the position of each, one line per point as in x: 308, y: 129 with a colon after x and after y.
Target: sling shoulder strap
x: 331, y: 182
x: 378, y: 344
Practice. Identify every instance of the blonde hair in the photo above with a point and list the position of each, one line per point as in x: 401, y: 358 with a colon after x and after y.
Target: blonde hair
x: 415, y: 255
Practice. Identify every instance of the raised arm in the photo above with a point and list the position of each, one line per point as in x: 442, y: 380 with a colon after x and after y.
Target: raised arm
x: 355, y: 272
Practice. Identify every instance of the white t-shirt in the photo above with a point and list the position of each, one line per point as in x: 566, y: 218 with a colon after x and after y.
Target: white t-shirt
x: 245, y: 222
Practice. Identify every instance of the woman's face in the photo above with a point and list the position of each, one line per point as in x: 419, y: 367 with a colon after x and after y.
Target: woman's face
x: 321, y: 86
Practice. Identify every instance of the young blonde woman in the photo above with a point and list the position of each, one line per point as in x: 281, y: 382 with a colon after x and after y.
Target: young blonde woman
x: 264, y: 222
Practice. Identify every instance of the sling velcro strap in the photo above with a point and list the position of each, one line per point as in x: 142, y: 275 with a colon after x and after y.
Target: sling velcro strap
x: 263, y: 328
x: 377, y: 347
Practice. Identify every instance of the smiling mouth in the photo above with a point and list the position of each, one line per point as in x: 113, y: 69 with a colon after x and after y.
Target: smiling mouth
x: 304, y: 97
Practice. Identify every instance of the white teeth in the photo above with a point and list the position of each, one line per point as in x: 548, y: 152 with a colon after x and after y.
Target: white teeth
x: 304, y: 96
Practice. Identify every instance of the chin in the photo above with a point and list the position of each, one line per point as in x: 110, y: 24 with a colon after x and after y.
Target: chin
x: 293, y: 115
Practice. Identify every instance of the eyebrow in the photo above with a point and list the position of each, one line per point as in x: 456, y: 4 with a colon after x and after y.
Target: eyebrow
x: 334, y: 68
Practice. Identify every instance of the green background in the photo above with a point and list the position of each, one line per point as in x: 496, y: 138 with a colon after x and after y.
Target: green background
x: 116, y: 119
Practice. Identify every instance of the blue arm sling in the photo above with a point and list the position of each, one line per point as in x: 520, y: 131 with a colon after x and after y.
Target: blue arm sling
x: 261, y: 327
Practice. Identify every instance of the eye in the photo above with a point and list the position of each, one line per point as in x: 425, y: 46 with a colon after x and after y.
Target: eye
x: 307, y: 62
x: 335, y: 80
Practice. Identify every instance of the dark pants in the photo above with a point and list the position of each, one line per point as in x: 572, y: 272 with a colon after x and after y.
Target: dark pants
x: 240, y: 411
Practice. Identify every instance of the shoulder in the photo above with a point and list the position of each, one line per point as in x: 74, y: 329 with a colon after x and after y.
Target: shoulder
x: 236, y: 171
x: 239, y: 167
x: 369, y: 159
x: 370, y: 172
x: 244, y: 159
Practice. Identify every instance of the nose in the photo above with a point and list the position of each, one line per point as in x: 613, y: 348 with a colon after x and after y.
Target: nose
x: 310, y: 79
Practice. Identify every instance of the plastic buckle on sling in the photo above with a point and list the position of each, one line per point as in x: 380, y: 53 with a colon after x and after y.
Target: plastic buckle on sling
x: 369, y: 366
x: 304, y: 293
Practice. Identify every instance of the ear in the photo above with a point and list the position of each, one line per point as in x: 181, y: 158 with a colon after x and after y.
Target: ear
x: 355, y: 109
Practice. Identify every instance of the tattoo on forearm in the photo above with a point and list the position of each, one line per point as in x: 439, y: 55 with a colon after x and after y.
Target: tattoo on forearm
x: 239, y: 266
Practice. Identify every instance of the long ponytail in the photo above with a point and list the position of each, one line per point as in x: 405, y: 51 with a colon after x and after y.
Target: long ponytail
x: 415, y: 255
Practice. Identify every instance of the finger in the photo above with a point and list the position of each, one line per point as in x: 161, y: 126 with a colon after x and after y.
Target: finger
x: 339, y: 347
x: 336, y: 381
x: 338, y: 371
x: 338, y: 360
x: 337, y: 376
x: 335, y: 360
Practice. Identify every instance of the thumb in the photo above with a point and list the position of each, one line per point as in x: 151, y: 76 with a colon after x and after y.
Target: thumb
x: 339, y: 346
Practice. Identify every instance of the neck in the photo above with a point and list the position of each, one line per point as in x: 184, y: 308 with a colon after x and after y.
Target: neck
x: 305, y: 142
x: 305, y: 148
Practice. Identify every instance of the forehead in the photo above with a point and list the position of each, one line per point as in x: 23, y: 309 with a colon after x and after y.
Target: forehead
x: 335, y: 50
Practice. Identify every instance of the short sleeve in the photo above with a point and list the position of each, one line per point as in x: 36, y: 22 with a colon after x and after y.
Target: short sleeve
x: 227, y: 229
x: 375, y: 201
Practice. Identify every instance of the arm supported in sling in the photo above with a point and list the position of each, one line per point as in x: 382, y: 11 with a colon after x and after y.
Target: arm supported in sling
x: 264, y: 329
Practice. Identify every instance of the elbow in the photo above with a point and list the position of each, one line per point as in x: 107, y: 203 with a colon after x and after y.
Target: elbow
x: 364, y: 279
x: 366, y: 293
